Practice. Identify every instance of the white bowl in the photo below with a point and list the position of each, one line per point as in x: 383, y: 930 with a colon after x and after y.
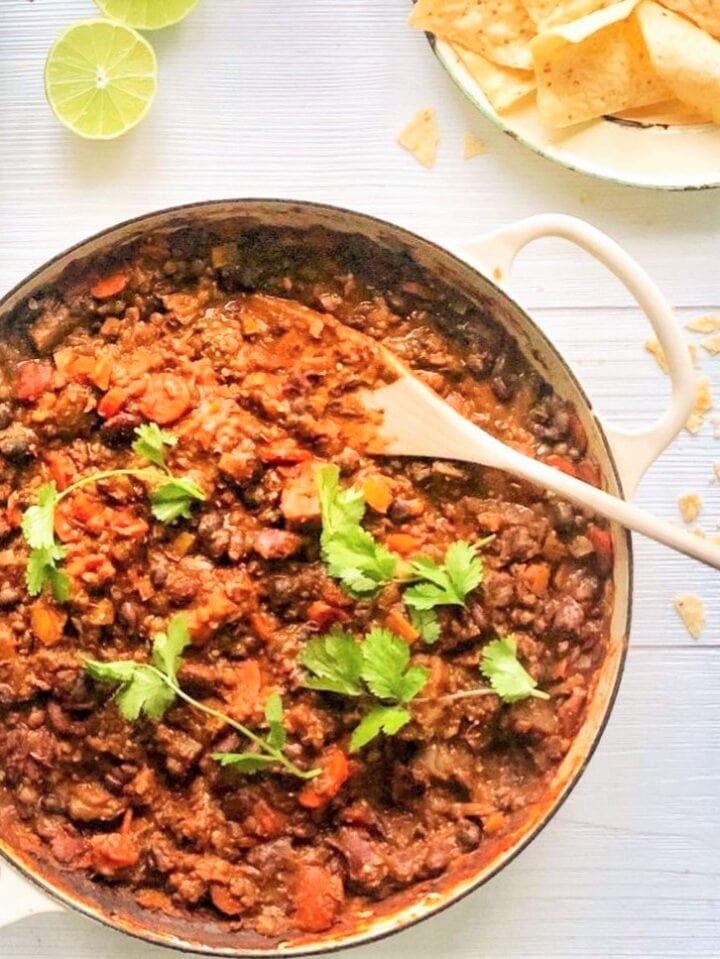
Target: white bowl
x: 635, y: 154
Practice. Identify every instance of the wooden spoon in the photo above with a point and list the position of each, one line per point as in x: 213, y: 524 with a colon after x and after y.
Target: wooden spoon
x: 416, y: 422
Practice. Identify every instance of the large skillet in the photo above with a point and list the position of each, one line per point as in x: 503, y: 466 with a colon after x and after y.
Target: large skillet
x: 479, y: 269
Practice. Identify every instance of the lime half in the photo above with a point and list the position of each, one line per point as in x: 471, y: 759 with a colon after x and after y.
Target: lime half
x: 100, y: 78
x: 147, y: 14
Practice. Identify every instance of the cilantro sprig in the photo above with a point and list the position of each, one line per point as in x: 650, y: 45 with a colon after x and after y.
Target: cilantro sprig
x: 170, y: 497
x: 507, y: 676
x: 351, y: 553
x: 363, y: 565
x: 150, y: 689
x: 379, y: 666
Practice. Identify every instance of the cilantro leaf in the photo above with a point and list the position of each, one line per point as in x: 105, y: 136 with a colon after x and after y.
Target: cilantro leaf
x: 380, y: 719
x: 244, y: 762
x: 464, y: 568
x: 506, y: 674
x: 151, y: 442
x: 446, y: 585
x: 38, y: 521
x: 386, y: 668
x: 274, y: 716
x: 168, y: 647
x: 173, y: 498
x: 336, y: 661
x: 341, y: 509
x: 351, y: 553
x: 142, y: 689
x: 42, y: 569
x: 426, y: 623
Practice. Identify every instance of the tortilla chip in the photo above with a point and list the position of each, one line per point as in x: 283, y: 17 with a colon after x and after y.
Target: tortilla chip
x: 500, y: 30
x: 503, y: 86
x: 705, y: 13
x: 703, y: 404
x: 691, y: 611
x: 666, y: 113
x: 710, y: 323
x: 473, y: 147
x: 690, y: 505
x: 684, y: 56
x: 658, y: 353
x: 421, y: 137
x: 594, y: 66
x: 712, y: 343
x: 553, y: 13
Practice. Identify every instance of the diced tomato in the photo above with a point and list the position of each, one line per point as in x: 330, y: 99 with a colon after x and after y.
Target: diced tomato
x: 113, y: 401
x: 125, y: 523
x: 319, y: 791
x: 377, y: 493
x: 101, y: 372
x: 262, y: 625
x: 264, y: 821
x: 561, y: 463
x: 588, y: 473
x: 318, y: 896
x: 577, y: 433
x: 109, y: 286
x: 113, y: 852
x: 245, y: 694
x: 601, y: 540
x: 62, y: 468
x: 323, y: 615
x: 276, y: 543
x: 167, y: 398
x: 299, y: 501
x: 32, y: 379
x: 284, y: 450
x: 404, y: 543
x: 401, y: 626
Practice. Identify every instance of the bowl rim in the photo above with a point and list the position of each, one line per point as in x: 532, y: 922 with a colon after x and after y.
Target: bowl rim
x: 333, y: 943
x: 483, y: 106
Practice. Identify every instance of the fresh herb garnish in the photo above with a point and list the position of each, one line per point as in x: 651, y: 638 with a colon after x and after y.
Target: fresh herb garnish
x: 506, y: 674
x: 381, y: 662
x: 151, y: 688
x: 151, y: 442
x: 426, y: 623
x: 336, y: 662
x: 448, y: 584
x: 170, y: 498
x: 174, y: 499
x: 351, y: 553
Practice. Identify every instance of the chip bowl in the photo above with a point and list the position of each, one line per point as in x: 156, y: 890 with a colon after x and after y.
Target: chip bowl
x: 656, y: 155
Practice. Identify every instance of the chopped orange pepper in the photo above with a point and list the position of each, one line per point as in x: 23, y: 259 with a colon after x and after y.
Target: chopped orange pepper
x: 62, y: 468
x: 377, y: 493
x: 319, y: 791
x: 404, y: 543
x: 561, y: 463
x: 246, y: 693
x: 113, y: 401
x: 47, y: 623
x: 109, y: 286
x: 402, y: 626
x: 601, y: 540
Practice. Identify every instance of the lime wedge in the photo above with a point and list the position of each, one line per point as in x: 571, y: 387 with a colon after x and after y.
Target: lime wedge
x: 147, y: 14
x: 100, y: 78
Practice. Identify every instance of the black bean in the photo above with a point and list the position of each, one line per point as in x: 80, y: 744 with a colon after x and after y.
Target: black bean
x: 19, y: 444
x: 119, y: 430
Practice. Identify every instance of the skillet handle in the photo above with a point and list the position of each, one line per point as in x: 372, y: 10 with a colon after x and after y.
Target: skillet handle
x: 635, y: 450
x: 20, y: 899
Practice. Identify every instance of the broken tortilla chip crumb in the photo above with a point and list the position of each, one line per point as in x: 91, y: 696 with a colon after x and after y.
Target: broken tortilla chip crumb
x: 690, y: 505
x: 710, y: 323
x: 655, y: 350
x: 712, y: 343
x: 421, y: 137
x: 703, y: 403
x: 691, y: 611
x: 473, y: 147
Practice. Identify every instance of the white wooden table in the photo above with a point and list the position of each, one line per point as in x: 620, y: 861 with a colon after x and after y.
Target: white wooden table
x: 305, y: 99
